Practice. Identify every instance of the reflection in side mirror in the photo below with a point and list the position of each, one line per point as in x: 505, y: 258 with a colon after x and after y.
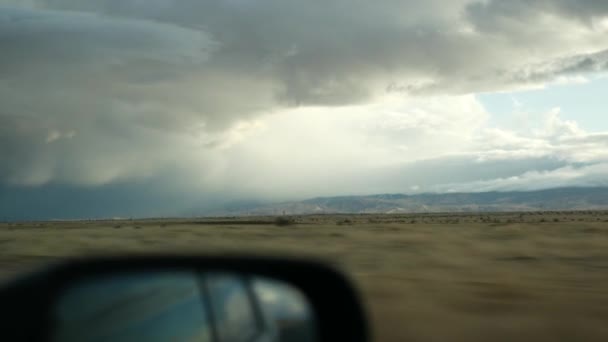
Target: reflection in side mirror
x: 182, y: 306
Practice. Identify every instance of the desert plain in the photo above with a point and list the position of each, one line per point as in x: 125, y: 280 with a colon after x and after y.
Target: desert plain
x: 533, y: 276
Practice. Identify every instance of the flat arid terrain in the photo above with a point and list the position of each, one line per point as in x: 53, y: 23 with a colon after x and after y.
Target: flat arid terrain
x: 423, y: 277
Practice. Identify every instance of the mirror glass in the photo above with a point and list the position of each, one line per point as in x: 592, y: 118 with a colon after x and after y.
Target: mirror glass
x: 183, y: 306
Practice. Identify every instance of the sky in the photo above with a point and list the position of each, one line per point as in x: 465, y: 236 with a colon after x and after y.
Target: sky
x: 162, y: 107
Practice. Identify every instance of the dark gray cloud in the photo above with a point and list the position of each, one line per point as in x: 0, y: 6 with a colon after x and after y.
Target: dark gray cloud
x: 340, y: 52
x: 496, y: 15
x: 95, y: 92
x: 89, y: 99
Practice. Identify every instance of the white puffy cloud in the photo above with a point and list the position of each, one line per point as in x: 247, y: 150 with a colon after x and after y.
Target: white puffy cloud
x: 406, y: 145
x: 567, y: 176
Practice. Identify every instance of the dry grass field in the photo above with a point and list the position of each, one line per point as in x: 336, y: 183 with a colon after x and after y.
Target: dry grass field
x: 431, y: 277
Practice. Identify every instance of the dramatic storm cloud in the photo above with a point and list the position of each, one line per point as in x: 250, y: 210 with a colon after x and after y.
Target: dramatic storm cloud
x: 289, y: 99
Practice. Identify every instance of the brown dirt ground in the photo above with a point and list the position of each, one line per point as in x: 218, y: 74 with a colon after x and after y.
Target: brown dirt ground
x: 432, y: 277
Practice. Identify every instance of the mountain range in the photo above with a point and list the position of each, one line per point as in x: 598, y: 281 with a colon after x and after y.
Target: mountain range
x: 544, y: 200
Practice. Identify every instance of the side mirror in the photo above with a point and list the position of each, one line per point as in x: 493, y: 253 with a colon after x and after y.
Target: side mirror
x: 183, y: 299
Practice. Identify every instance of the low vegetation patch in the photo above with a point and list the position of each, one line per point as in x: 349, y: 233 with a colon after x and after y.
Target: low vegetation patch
x: 284, y: 221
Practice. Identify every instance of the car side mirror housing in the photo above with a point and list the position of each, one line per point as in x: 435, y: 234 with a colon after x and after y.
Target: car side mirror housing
x: 176, y: 298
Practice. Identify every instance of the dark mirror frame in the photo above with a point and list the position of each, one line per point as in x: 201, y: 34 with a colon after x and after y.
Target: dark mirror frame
x: 26, y: 304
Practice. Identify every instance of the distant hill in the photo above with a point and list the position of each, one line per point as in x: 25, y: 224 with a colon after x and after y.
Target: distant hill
x: 553, y: 199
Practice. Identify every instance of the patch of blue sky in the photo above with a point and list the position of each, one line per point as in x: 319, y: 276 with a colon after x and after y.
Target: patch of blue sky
x: 586, y: 103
